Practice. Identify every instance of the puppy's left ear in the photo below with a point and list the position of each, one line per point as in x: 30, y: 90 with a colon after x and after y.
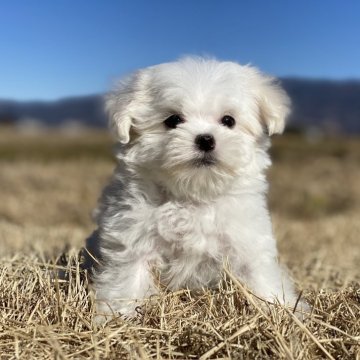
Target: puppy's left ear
x: 274, y: 105
x: 124, y: 103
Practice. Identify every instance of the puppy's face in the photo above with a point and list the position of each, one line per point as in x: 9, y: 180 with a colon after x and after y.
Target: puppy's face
x: 195, y: 126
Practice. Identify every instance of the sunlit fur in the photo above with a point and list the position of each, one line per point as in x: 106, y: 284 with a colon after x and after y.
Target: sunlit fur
x: 164, y: 209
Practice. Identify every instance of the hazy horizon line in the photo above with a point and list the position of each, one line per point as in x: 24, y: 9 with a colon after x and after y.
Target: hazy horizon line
x: 92, y: 94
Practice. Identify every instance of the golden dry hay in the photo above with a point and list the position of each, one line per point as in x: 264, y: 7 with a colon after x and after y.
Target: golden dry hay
x: 48, y: 187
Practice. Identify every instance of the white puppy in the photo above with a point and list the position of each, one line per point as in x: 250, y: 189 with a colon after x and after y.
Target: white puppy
x: 189, y: 190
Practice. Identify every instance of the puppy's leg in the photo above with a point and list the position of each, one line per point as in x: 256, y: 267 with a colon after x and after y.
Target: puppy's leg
x: 267, y: 279
x: 121, y: 286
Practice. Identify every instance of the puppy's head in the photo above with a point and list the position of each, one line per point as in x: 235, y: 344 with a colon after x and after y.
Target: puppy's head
x: 197, y: 125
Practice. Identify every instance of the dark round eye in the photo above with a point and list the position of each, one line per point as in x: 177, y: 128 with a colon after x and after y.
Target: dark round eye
x: 173, y: 121
x: 228, y: 121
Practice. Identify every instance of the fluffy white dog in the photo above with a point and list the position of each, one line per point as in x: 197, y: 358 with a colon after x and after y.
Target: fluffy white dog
x: 189, y: 190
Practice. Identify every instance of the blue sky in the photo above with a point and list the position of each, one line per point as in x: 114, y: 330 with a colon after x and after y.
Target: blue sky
x: 55, y: 48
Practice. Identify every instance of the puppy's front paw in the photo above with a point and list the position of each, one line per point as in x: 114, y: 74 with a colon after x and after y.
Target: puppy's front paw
x: 121, y: 309
x: 174, y: 222
x: 302, y: 310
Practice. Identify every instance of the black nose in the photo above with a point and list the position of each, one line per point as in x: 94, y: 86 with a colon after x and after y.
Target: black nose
x: 205, y: 142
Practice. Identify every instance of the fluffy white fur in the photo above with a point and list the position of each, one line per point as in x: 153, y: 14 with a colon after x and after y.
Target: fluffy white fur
x: 163, y: 210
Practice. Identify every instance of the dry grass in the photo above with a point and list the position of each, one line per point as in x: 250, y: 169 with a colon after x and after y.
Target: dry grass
x: 48, y: 186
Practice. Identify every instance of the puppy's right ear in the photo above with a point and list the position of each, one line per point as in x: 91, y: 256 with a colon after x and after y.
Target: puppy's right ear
x: 121, y: 105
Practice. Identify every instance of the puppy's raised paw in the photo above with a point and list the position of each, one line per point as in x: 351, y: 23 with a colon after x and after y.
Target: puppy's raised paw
x: 174, y: 222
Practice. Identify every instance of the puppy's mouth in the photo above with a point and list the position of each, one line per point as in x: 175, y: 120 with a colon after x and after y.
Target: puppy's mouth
x: 205, y: 161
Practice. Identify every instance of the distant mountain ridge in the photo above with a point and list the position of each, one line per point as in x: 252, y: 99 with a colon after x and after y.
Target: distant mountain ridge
x: 87, y: 110
x: 324, y: 105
